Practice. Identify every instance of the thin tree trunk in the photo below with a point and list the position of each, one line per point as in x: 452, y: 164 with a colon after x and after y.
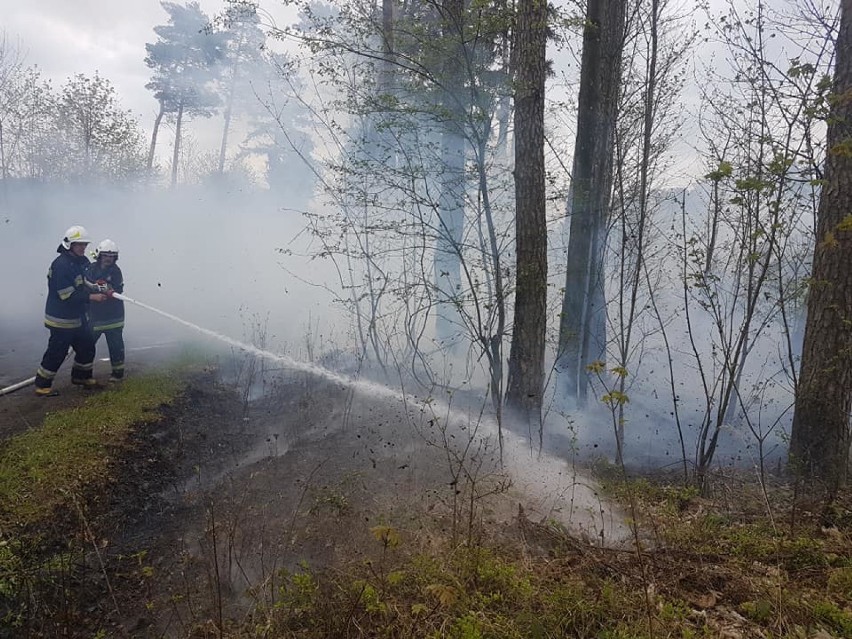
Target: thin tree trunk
x: 5, y: 170
x: 640, y: 231
x: 526, y: 356
x: 452, y: 183
x: 229, y: 109
x: 154, y: 134
x: 389, y: 58
x: 819, y: 446
x: 176, y: 155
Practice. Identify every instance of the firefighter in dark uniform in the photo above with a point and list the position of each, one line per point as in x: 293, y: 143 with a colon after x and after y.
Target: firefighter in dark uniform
x: 107, y: 318
x: 68, y: 298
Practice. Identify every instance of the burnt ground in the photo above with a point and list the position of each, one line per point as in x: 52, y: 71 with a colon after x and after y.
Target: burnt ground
x: 240, y: 485
x: 221, y: 495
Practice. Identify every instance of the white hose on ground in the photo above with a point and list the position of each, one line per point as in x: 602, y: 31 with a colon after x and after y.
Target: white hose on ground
x: 15, y: 387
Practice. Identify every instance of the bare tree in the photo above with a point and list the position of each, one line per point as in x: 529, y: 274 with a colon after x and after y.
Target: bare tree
x: 655, y: 52
x: 10, y: 71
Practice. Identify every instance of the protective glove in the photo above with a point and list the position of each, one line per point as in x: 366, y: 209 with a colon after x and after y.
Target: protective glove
x: 109, y: 293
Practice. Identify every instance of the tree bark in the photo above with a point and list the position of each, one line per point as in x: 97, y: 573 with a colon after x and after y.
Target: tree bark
x: 229, y: 109
x: 154, y: 134
x: 176, y: 155
x: 526, y: 356
x: 4, y: 173
x: 582, y: 329
x: 820, y: 438
x: 452, y: 181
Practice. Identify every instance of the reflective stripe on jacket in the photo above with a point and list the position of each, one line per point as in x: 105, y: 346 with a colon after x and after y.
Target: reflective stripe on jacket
x: 67, y: 293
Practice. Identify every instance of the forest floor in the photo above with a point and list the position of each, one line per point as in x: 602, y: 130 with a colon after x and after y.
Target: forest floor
x: 288, y: 505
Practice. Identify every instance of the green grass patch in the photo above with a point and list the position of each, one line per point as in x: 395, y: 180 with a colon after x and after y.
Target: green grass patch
x: 463, y: 593
x: 72, y: 450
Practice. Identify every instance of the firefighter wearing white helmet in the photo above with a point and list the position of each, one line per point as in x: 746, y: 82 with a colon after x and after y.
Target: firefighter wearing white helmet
x: 107, y: 247
x: 75, y: 235
x: 108, y: 318
x: 65, y: 314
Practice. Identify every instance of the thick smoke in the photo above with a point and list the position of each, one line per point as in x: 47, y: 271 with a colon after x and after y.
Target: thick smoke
x: 209, y: 257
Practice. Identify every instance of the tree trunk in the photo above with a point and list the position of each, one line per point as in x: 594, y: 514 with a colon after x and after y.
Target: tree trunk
x: 229, y: 109
x: 3, y: 168
x: 582, y: 329
x: 819, y: 446
x: 452, y: 182
x: 388, y: 53
x: 154, y: 134
x: 526, y: 356
x: 176, y: 155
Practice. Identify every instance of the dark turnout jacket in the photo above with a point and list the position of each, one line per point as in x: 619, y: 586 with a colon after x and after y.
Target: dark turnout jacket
x: 67, y: 292
x: 109, y: 314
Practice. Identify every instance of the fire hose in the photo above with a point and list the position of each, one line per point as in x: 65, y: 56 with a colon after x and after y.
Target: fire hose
x: 245, y: 347
x: 31, y: 380
x: 15, y: 387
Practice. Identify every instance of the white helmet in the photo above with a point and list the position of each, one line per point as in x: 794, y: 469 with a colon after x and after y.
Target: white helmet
x: 75, y: 234
x: 107, y: 247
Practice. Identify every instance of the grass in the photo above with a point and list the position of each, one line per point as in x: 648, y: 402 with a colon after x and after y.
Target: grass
x: 710, y: 568
x: 50, y: 477
x: 708, y: 572
x: 73, y: 449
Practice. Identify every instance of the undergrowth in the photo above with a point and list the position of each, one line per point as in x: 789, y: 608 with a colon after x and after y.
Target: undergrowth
x: 73, y: 448
x: 708, y: 572
x: 708, y: 567
x: 50, y: 477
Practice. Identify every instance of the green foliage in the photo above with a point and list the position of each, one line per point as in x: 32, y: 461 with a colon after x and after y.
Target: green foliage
x: 838, y: 620
x: 328, y: 498
x: 468, y: 592
x: 387, y: 535
x: 46, y: 476
x: 799, y: 69
x: 100, y: 139
x: 840, y: 582
x: 842, y: 149
x: 724, y: 170
x: 615, y: 398
x: 184, y: 61
x: 845, y: 224
x: 759, y: 611
x: 466, y: 627
x: 673, y: 498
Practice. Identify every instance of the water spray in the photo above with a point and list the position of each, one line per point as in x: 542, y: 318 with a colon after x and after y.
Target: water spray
x: 281, y: 359
x: 573, y: 496
x: 549, y: 473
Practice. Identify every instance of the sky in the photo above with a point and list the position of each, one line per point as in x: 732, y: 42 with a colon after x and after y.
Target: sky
x: 84, y: 36
x: 67, y: 37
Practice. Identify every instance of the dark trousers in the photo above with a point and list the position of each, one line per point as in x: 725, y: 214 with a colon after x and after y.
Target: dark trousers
x: 115, y: 343
x: 61, y: 339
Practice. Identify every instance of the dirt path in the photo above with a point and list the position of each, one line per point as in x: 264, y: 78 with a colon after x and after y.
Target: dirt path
x: 20, y: 355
